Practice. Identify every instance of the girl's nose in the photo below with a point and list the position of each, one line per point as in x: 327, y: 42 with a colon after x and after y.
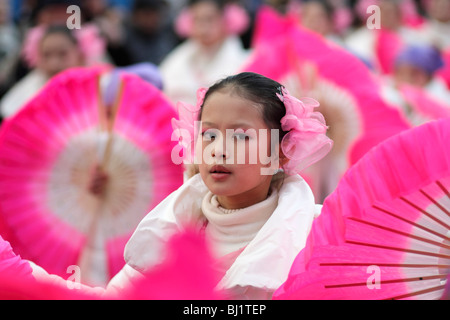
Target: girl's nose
x: 220, y: 149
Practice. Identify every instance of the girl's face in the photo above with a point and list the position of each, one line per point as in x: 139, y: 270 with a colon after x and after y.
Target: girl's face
x: 233, y: 138
x: 208, y: 27
x: 57, y: 53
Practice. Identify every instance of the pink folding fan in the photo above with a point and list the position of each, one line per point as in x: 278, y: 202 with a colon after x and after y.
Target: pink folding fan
x: 385, y: 231
x: 48, y: 155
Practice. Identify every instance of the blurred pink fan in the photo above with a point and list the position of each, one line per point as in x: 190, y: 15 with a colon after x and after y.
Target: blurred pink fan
x: 349, y: 97
x: 444, y: 72
x: 49, y: 153
x: 12, y: 265
x: 424, y: 105
x: 388, y: 45
x: 18, y: 283
x: 385, y: 232
x: 270, y: 25
x: 185, y: 274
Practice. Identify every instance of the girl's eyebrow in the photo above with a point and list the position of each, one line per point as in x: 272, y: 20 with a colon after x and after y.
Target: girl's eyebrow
x: 238, y: 125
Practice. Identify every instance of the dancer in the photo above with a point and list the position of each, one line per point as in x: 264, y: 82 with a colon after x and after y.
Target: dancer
x: 48, y: 50
x: 256, y: 215
x: 254, y: 212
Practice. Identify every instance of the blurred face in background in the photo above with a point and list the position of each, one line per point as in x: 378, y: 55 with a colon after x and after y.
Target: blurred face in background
x: 58, y: 52
x: 208, y: 25
x: 391, y: 15
x: 5, y: 12
x: 439, y: 10
x: 314, y: 17
x: 409, y: 74
x: 148, y: 21
x: 52, y: 14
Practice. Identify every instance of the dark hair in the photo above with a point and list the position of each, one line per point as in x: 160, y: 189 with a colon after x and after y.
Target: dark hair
x: 154, y: 5
x: 219, y: 3
x: 62, y: 29
x: 258, y: 88
x: 325, y: 5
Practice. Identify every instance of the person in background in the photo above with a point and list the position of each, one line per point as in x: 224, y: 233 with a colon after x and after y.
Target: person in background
x: 49, y: 50
x: 378, y: 46
x: 9, y: 47
x: 416, y: 67
x: 212, y: 48
x: 109, y: 19
x: 148, y: 35
x: 318, y: 16
x: 436, y: 30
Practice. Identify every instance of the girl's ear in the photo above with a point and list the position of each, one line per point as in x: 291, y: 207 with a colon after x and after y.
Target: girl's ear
x: 283, y: 159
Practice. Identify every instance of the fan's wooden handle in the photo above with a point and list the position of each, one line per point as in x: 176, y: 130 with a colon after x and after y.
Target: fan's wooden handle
x: 107, y: 118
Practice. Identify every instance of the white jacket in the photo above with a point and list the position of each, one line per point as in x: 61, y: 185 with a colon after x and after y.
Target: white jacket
x: 262, y: 266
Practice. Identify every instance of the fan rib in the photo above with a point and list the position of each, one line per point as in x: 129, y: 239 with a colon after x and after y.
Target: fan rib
x: 412, y: 223
x: 425, y: 212
x: 357, y: 284
x: 435, y: 202
x: 416, y: 293
x: 401, y: 233
x: 443, y: 188
x: 394, y: 265
x: 425, y: 253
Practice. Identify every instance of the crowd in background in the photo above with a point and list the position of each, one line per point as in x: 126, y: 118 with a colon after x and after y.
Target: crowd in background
x: 150, y: 31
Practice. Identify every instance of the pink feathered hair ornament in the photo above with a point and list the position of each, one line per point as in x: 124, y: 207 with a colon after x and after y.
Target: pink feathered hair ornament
x: 306, y: 141
x: 184, y: 127
x: 91, y: 44
x: 236, y: 21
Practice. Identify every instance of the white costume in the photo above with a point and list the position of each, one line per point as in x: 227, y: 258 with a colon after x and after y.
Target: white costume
x: 266, y: 236
x: 189, y: 67
x: 22, y: 92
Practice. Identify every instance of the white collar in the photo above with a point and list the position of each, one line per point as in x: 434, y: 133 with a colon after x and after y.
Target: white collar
x: 231, y: 230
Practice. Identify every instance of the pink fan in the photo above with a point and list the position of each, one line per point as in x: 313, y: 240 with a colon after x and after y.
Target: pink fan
x: 12, y: 265
x: 49, y: 153
x: 385, y: 232
x: 444, y: 72
x: 388, y: 45
x: 350, y: 98
x: 186, y: 272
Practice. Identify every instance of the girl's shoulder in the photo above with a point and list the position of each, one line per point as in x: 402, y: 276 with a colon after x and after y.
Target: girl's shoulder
x: 182, y: 208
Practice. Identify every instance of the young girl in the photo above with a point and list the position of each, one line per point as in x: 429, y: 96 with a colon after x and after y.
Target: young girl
x: 49, y: 50
x: 255, y: 213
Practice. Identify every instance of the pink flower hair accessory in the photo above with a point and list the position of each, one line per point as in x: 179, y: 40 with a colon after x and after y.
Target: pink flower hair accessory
x: 90, y: 42
x: 184, y: 127
x: 306, y: 141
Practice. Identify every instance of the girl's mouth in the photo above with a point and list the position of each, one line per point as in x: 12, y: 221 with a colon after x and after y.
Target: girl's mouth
x: 219, y: 172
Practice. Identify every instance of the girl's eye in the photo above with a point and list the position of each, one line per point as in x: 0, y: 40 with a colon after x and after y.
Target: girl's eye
x: 241, y: 136
x: 209, y: 135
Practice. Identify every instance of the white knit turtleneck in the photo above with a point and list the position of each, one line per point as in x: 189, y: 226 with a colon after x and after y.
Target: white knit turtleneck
x: 231, y: 230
